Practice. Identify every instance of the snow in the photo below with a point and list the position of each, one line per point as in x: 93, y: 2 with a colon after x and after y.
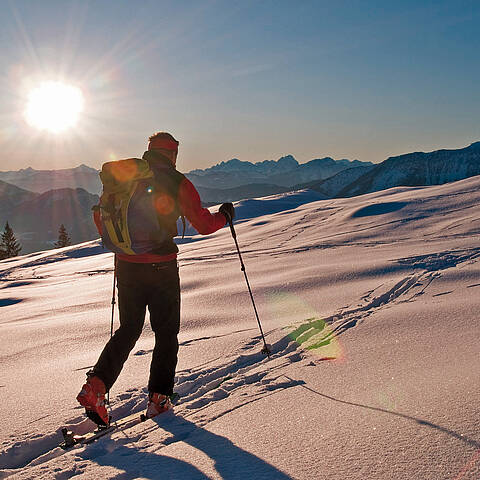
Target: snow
x: 371, y: 307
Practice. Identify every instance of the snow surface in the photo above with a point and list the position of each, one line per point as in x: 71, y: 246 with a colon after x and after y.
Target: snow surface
x: 370, y: 305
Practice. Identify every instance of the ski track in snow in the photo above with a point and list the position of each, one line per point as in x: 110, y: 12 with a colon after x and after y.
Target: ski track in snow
x: 198, y: 388
x: 408, y: 289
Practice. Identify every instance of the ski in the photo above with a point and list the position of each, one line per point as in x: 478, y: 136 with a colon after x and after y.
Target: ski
x: 71, y: 439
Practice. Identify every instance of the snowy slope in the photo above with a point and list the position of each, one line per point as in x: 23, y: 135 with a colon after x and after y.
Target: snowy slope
x: 370, y: 304
x: 419, y: 168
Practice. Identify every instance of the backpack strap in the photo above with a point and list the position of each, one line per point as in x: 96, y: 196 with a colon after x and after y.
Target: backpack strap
x: 175, y: 179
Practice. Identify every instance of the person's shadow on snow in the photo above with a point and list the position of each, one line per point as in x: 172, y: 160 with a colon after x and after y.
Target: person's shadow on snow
x: 230, y: 461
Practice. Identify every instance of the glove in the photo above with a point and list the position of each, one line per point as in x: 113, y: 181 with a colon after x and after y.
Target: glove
x: 227, y: 210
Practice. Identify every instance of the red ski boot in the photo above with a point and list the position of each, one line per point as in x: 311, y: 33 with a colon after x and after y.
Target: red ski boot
x: 92, y: 397
x: 157, y: 403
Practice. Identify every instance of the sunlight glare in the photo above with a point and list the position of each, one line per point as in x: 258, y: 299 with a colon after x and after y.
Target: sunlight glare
x: 54, y: 106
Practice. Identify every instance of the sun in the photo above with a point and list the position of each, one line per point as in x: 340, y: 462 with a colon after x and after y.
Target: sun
x: 54, y: 106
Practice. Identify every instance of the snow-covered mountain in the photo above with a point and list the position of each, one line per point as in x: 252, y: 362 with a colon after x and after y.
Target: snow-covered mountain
x: 318, y: 169
x: 267, y: 167
x: 285, y: 172
x: 336, y: 183
x: 41, y: 181
x: 370, y: 305
x: 415, y: 169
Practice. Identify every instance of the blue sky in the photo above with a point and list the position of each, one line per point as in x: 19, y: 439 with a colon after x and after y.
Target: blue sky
x: 253, y: 80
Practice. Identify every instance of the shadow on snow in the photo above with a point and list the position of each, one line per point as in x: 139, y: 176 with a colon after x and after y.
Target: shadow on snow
x: 5, y: 302
x: 230, y: 460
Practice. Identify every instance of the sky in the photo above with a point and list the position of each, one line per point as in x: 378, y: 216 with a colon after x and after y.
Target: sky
x: 253, y: 80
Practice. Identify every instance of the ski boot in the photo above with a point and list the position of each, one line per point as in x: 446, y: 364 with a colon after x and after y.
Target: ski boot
x: 157, y: 403
x: 92, y: 397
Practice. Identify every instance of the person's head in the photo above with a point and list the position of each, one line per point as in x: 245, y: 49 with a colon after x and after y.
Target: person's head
x: 165, y: 144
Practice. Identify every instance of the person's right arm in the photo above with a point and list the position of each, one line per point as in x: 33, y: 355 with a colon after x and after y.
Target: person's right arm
x: 201, y: 219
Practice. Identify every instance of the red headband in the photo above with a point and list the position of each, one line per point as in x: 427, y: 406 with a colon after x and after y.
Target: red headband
x: 163, y: 143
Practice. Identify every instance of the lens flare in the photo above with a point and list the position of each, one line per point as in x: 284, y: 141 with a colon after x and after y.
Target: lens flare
x: 164, y: 204
x: 316, y: 335
x: 308, y: 330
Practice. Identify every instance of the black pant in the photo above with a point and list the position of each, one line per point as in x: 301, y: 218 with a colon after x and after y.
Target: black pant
x: 158, y: 287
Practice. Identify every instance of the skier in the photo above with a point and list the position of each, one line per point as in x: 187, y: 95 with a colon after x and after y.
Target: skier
x: 151, y: 280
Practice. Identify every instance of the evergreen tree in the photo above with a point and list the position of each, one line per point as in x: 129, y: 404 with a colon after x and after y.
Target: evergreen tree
x: 9, y: 246
x: 63, y: 238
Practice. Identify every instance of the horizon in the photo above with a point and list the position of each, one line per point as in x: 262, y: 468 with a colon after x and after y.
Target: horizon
x: 254, y: 163
x: 219, y: 163
x: 252, y: 81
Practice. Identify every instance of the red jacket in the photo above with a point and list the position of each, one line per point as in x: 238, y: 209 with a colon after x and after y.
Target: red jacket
x: 202, y: 220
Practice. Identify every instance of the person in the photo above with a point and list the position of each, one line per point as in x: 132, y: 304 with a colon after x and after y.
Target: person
x: 151, y: 280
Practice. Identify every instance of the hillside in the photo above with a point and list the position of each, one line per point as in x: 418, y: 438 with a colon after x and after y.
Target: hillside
x: 12, y: 196
x: 36, y: 221
x: 371, y: 307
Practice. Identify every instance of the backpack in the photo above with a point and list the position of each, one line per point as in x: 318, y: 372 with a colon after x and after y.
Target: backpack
x: 138, y: 207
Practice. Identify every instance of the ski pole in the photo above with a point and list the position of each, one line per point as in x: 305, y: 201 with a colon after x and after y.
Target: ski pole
x: 113, y: 307
x: 113, y: 292
x: 266, y: 349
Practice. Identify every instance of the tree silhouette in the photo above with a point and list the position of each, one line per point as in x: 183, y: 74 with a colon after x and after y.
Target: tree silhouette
x: 9, y: 246
x: 63, y: 238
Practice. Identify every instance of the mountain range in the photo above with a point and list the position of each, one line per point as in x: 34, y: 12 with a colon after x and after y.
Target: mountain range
x: 285, y: 172
x: 36, y: 202
x: 233, y: 174
x: 41, y: 181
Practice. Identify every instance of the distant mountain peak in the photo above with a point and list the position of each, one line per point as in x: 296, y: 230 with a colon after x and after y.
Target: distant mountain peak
x: 233, y: 161
x: 288, y: 160
x: 283, y: 164
x: 85, y: 168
